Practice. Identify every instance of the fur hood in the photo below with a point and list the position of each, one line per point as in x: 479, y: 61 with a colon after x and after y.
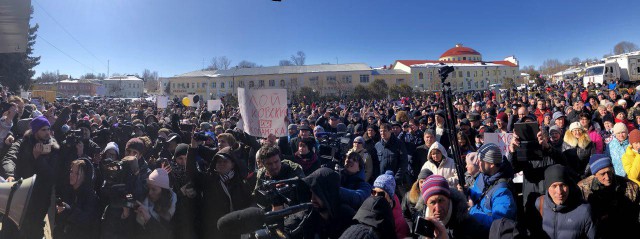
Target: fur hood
x: 582, y: 142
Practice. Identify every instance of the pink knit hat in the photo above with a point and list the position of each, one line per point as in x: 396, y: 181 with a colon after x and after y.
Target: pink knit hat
x: 160, y: 178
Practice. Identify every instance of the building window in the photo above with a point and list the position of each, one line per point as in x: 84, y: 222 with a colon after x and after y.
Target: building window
x: 468, y: 74
x: 213, y: 85
x: 187, y: 85
x: 459, y: 73
x: 272, y: 83
x: 282, y: 83
x: 241, y: 84
x: 468, y: 84
x: 221, y: 85
x: 204, y: 85
x: 251, y: 84
x: 364, y: 78
x: 294, y: 81
x: 313, y: 80
x: 261, y: 83
x: 476, y: 84
x: 193, y: 85
x: 331, y: 78
x: 346, y: 79
x: 231, y: 84
x: 420, y: 76
x: 464, y: 58
x: 481, y: 84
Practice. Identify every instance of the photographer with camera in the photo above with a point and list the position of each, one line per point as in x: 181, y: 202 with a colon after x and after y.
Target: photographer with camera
x: 124, y: 184
x: 271, y: 167
x: 222, y: 188
x: 36, y: 153
x: 79, y: 215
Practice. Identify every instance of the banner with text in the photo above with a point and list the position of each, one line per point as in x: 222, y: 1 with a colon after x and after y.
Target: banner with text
x: 214, y: 105
x: 264, y: 111
x: 501, y: 139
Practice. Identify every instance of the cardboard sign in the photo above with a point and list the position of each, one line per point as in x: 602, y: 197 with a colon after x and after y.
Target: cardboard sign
x: 214, y: 105
x: 264, y: 111
x: 501, y: 139
x: 162, y: 101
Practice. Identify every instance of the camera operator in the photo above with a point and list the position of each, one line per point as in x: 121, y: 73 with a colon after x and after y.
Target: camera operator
x: 222, y: 188
x: 121, y: 178
x: 329, y: 217
x: 78, y: 216
x: 36, y: 153
x: 271, y: 167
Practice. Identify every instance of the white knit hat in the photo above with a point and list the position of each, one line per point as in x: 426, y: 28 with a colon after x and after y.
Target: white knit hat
x: 575, y: 125
x: 620, y: 127
x: 159, y: 177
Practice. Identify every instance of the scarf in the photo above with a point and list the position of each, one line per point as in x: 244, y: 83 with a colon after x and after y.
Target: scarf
x: 224, y: 178
x: 307, y: 160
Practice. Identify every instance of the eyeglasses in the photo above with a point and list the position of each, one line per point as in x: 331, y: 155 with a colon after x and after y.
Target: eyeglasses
x: 378, y: 193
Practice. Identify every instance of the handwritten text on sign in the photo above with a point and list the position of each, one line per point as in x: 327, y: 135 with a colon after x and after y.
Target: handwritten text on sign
x: 263, y: 111
x: 501, y: 139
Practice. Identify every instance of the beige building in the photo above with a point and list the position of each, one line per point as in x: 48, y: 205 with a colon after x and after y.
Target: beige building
x: 338, y: 79
x: 471, y: 72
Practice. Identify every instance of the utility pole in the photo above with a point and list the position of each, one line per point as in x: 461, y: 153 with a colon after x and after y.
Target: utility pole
x: 107, y: 69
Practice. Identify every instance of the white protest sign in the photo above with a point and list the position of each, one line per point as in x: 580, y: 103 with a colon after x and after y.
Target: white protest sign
x: 263, y: 111
x: 501, y: 139
x: 214, y: 105
x: 25, y: 95
x: 161, y: 102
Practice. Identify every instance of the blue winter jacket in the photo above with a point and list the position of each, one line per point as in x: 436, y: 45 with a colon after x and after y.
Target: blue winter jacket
x: 572, y: 220
x: 615, y: 150
x: 393, y: 156
x: 353, y: 189
x: 492, y: 203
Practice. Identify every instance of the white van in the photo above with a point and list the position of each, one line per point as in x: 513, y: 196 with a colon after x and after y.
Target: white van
x: 629, y: 65
x: 599, y: 73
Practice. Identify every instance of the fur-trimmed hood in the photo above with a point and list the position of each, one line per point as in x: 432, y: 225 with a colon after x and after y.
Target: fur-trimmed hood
x: 582, y: 142
x: 439, y: 147
x: 28, y: 136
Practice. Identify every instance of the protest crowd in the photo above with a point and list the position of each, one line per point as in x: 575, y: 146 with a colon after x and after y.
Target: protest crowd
x: 111, y: 169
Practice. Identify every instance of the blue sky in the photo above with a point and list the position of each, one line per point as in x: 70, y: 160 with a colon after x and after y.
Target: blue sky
x: 173, y: 37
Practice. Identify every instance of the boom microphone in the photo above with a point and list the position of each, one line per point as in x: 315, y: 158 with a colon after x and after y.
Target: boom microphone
x: 251, y: 219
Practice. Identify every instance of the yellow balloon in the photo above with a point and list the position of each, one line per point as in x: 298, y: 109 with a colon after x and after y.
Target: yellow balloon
x: 186, y: 101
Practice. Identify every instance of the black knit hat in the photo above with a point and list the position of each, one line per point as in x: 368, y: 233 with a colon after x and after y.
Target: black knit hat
x: 181, y: 149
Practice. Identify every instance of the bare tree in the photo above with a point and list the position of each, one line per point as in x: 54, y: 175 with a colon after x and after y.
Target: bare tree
x: 219, y: 63
x: 285, y: 63
x: 575, y: 61
x: 150, y: 80
x: 624, y: 47
x: 247, y: 64
x: 299, y: 58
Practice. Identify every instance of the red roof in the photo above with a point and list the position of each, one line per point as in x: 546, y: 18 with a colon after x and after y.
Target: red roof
x: 459, y: 50
x: 415, y: 62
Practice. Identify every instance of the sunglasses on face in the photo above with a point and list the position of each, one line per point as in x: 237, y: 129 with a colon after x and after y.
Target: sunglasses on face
x: 378, y: 194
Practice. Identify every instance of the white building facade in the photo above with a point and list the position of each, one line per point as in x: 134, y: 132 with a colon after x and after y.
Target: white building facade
x: 128, y: 86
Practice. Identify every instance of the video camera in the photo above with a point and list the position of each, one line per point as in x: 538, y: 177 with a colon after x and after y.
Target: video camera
x: 73, y: 137
x: 263, y: 225
x: 279, y: 192
x: 115, y: 174
x: 338, y: 142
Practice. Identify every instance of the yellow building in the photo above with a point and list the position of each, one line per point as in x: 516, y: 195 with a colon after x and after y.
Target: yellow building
x: 471, y: 72
x: 338, y: 79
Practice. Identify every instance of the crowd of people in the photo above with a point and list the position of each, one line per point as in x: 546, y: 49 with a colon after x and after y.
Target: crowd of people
x: 110, y: 168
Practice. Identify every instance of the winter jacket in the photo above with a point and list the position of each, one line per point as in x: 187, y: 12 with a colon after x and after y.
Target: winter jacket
x: 218, y: 197
x: 615, y: 209
x: 393, y: 156
x: 615, y: 149
x: 570, y: 220
x: 20, y: 163
x: 460, y: 223
x: 374, y: 215
x: 324, y: 183
x: 533, y: 171
x: 492, y: 198
x: 157, y: 227
x: 596, y: 138
x: 577, y: 152
x: 412, y: 205
x: 82, y: 218
x: 418, y: 160
x: 353, y: 189
x: 309, y: 162
x: 288, y: 170
x: 402, y: 228
x: 368, y: 162
x: 631, y: 164
x: 446, y: 168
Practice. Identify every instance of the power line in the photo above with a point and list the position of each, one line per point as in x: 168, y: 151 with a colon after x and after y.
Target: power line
x: 45, y: 40
x: 68, y: 33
